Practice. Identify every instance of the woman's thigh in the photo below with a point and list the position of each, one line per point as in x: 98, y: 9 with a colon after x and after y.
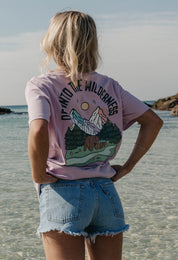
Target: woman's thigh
x: 63, y: 246
x: 105, y: 247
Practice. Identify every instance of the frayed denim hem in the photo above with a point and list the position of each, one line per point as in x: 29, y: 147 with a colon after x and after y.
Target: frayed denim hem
x: 38, y: 233
x: 91, y: 238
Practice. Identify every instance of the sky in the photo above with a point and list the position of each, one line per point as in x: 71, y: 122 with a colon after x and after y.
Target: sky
x: 138, y: 43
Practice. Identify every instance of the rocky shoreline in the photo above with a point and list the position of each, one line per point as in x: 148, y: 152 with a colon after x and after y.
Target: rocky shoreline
x: 168, y: 103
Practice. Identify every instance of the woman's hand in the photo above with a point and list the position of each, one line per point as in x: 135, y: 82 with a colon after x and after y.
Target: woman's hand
x: 150, y: 125
x: 121, y: 171
x: 45, y: 178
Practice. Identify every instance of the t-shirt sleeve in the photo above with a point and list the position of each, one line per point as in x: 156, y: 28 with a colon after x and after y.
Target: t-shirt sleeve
x: 38, y: 102
x: 132, y: 108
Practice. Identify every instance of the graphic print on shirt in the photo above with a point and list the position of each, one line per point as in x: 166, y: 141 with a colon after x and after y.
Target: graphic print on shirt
x: 90, y: 140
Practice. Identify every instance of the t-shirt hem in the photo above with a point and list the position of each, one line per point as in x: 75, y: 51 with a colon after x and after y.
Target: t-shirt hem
x: 39, y: 117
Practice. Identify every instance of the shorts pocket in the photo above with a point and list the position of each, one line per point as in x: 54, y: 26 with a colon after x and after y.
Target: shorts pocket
x: 111, y: 193
x: 64, y: 202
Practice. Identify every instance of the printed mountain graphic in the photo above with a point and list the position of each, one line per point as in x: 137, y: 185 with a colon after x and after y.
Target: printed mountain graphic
x: 89, y: 141
x: 92, y: 126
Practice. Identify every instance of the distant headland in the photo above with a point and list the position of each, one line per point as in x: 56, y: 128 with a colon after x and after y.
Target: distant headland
x: 4, y: 110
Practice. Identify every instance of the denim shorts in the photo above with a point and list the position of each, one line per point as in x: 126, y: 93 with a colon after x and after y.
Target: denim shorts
x: 87, y: 207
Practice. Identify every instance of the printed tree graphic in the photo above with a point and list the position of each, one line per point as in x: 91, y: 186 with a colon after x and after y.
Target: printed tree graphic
x: 75, y: 138
x: 110, y: 132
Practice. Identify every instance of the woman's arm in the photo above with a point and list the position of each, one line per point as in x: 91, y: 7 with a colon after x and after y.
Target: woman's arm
x: 38, y: 148
x: 149, y: 129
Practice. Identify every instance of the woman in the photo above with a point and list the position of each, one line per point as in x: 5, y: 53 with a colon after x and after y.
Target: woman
x: 76, y: 118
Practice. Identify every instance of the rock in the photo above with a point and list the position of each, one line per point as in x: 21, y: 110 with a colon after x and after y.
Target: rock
x: 169, y: 103
x: 174, y: 111
x: 146, y: 103
x: 4, y: 111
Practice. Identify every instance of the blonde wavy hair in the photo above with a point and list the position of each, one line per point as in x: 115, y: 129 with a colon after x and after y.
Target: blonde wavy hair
x: 71, y: 41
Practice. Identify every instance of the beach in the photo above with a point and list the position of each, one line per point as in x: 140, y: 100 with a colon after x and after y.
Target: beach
x: 149, y: 193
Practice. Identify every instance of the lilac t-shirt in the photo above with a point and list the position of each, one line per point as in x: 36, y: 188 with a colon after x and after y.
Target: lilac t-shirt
x: 85, y: 122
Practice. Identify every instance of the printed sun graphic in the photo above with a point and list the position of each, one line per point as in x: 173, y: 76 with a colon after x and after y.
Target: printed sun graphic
x: 85, y: 106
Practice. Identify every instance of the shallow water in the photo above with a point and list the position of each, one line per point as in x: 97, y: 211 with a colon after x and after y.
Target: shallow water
x: 149, y: 194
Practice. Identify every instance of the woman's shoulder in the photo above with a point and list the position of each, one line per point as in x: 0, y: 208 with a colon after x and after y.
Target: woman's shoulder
x: 46, y: 80
x: 106, y: 79
x: 103, y: 76
x: 42, y: 78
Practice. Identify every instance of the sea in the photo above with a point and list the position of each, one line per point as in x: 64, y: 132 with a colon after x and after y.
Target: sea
x: 149, y: 193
